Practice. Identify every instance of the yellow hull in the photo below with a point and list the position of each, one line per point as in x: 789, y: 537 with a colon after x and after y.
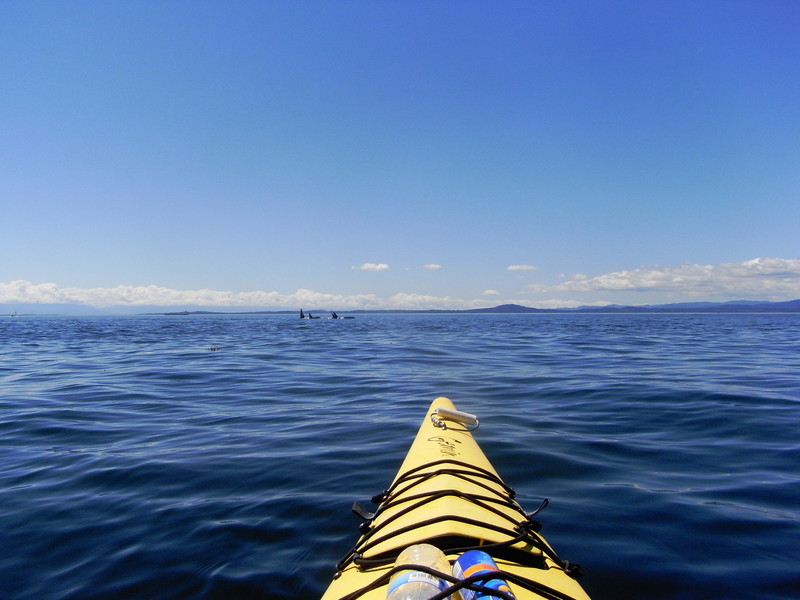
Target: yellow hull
x: 447, y: 494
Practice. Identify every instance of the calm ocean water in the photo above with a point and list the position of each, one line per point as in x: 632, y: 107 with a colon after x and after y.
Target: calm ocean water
x: 216, y: 457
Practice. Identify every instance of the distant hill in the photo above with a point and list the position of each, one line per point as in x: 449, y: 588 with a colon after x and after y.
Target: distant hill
x: 507, y: 308
x: 736, y: 306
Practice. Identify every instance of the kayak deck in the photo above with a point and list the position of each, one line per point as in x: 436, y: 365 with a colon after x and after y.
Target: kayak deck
x: 447, y: 494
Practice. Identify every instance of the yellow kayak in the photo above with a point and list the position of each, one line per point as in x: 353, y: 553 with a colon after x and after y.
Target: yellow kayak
x: 448, y: 495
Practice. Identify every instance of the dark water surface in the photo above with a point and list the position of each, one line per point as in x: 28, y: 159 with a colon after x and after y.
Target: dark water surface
x: 137, y: 462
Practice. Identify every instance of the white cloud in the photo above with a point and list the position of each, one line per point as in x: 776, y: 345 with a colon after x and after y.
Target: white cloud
x: 490, y: 293
x: 432, y: 267
x: 25, y: 292
x: 404, y: 301
x: 521, y: 268
x: 418, y: 301
x: 554, y: 303
x: 774, y: 278
x: 372, y: 267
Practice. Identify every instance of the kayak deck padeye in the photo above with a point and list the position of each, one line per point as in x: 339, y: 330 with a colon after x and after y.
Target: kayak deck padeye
x: 447, y: 494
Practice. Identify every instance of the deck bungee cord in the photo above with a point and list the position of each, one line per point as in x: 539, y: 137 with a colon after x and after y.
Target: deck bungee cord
x: 522, y: 531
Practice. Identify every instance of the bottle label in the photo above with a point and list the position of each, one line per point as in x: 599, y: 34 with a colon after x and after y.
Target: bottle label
x: 415, y: 577
x: 477, y: 562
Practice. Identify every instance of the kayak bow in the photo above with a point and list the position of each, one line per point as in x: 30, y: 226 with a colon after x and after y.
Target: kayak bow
x: 447, y: 494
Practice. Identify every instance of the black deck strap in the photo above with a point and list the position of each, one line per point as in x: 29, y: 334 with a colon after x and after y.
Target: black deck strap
x: 505, y: 550
x: 541, y: 507
x: 392, y: 499
x: 389, y: 557
x: 470, y: 469
x: 419, y: 500
x: 458, y: 545
x: 572, y: 569
x: 359, y: 510
x: 365, y: 543
x: 524, y: 532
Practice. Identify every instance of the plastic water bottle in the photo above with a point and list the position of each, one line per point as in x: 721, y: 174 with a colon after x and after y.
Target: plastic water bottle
x: 475, y: 562
x: 417, y: 585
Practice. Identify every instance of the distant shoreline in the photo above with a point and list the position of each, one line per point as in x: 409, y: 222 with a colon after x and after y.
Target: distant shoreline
x: 735, y: 307
x: 791, y: 306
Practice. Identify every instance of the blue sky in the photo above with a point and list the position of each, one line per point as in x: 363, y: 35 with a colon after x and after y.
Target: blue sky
x: 384, y: 154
